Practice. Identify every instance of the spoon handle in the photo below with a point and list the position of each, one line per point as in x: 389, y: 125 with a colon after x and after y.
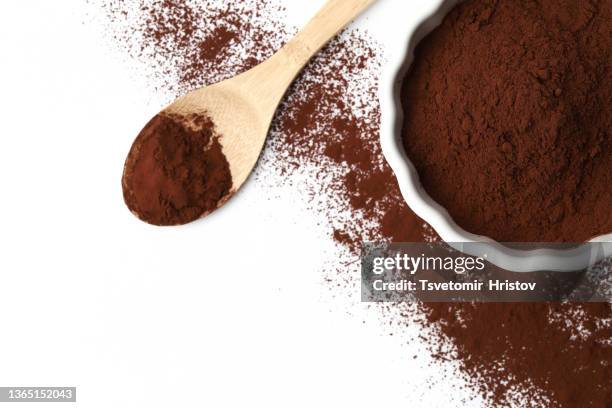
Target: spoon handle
x: 334, y: 16
x: 270, y: 80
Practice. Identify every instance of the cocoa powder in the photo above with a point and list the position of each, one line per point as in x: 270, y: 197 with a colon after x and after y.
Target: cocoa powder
x: 508, y: 351
x: 329, y: 120
x: 176, y: 171
x: 507, y: 118
x: 529, y: 354
x: 186, y: 44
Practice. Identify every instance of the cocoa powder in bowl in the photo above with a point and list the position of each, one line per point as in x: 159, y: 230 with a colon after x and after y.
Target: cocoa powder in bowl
x: 507, y: 118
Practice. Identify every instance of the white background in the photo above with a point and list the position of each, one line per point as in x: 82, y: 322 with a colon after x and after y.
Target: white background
x: 229, y: 311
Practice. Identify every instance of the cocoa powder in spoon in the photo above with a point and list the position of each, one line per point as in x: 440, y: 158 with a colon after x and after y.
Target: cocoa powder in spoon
x: 176, y: 171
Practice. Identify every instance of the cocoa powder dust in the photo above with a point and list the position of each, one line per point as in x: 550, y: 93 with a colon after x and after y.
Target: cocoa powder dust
x: 523, y: 355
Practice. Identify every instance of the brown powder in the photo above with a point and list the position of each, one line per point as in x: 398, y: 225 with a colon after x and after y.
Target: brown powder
x: 329, y: 119
x: 321, y: 109
x: 176, y: 171
x: 507, y: 118
x: 530, y: 354
x: 188, y: 43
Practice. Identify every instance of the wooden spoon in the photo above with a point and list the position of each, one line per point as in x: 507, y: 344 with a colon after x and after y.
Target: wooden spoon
x: 242, y: 108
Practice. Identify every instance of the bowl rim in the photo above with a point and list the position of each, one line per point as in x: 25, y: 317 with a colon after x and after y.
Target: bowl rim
x: 397, y: 63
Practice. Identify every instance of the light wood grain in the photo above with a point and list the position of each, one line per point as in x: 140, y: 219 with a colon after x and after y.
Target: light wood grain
x: 242, y: 108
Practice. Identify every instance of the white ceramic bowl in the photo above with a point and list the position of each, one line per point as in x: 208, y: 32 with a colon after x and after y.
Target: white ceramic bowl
x: 399, y: 55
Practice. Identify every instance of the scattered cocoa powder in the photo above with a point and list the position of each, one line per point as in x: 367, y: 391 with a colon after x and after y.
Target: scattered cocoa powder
x: 530, y: 354
x: 189, y: 43
x: 506, y: 349
x: 176, y: 171
x: 507, y: 118
x: 329, y: 119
